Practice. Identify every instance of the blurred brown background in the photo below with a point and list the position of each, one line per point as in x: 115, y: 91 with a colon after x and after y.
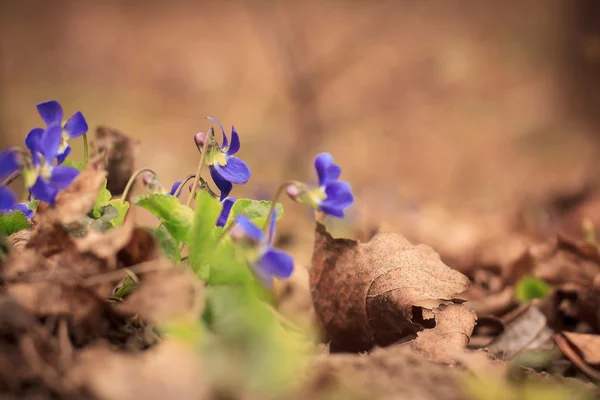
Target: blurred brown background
x: 468, y: 105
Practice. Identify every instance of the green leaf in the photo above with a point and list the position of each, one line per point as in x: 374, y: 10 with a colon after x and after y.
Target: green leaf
x: 13, y: 222
x: 102, y: 199
x: 529, y: 288
x: 250, y: 339
x: 229, y: 265
x: 254, y: 209
x: 75, y: 164
x: 122, y: 207
x: 166, y: 242
x: 176, y: 217
x: 126, y: 288
x: 203, y: 241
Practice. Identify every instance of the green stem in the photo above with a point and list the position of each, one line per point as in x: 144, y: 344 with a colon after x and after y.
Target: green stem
x: 85, y: 149
x: 182, y: 184
x: 280, y: 190
x: 132, y: 180
x: 200, y: 165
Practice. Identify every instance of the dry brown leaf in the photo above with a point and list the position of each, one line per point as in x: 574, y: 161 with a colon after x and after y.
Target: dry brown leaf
x: 80, y: 306
x: 587, y: 345
x: 119, y: 151
x: 21, y: 263
x: 454, y: 324
x: 106, y: 245
x: 567, y: 261
x: 576, y: 358
x: 364, y: 293
x: 142, y: 247
x: 49, y: 235
x: 79, y: 198
x: 494, y: 303
x: 171, y: 370
x: 529, y: 330
x: 49, y: 238
x: 169, y: 293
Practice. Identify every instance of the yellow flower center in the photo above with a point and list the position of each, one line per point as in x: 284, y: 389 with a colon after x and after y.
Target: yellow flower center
x: 64, y: 142
x: 216, y: 156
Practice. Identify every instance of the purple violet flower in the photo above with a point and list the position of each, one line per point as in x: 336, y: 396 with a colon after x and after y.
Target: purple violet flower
x: 10, y: 161
x: 269, y: 262
x: 7, y: 198
x: 225, y: 169
x: 47, y: 179
x: 52, y: 114
x: 332, y: 196
x: 227, y: 204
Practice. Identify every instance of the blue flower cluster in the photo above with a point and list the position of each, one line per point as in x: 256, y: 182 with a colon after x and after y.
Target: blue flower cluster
x: 41, y: 168
x: 332, y: 196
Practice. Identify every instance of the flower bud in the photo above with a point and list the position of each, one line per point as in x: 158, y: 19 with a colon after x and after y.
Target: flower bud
x: 151, y: 183
x: 200, y: 138
x: 293, y: 191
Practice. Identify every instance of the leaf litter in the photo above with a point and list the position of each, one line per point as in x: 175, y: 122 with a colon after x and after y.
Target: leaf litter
x: 395, y: 318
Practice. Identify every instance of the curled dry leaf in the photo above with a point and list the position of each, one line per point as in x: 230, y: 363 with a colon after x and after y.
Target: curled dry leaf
x: 528, y: 330
x: 365, y: 293
x: 119, y: 151
x: 168, y: 293
x: 576, y: 357
x: 587, y: 345
x: 79, y: 198
x: 454, y: 324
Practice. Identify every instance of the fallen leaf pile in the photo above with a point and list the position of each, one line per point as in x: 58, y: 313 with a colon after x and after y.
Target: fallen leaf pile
x: 90, y: 313
x: 61, y: 336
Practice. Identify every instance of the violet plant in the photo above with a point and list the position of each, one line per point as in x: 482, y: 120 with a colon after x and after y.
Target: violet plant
x: 228, y: 242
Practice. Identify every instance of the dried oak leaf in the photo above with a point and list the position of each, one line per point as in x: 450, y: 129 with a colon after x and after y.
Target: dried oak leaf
x: 374, y: 293
x: 454, y: 324
x: 120, y: 151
